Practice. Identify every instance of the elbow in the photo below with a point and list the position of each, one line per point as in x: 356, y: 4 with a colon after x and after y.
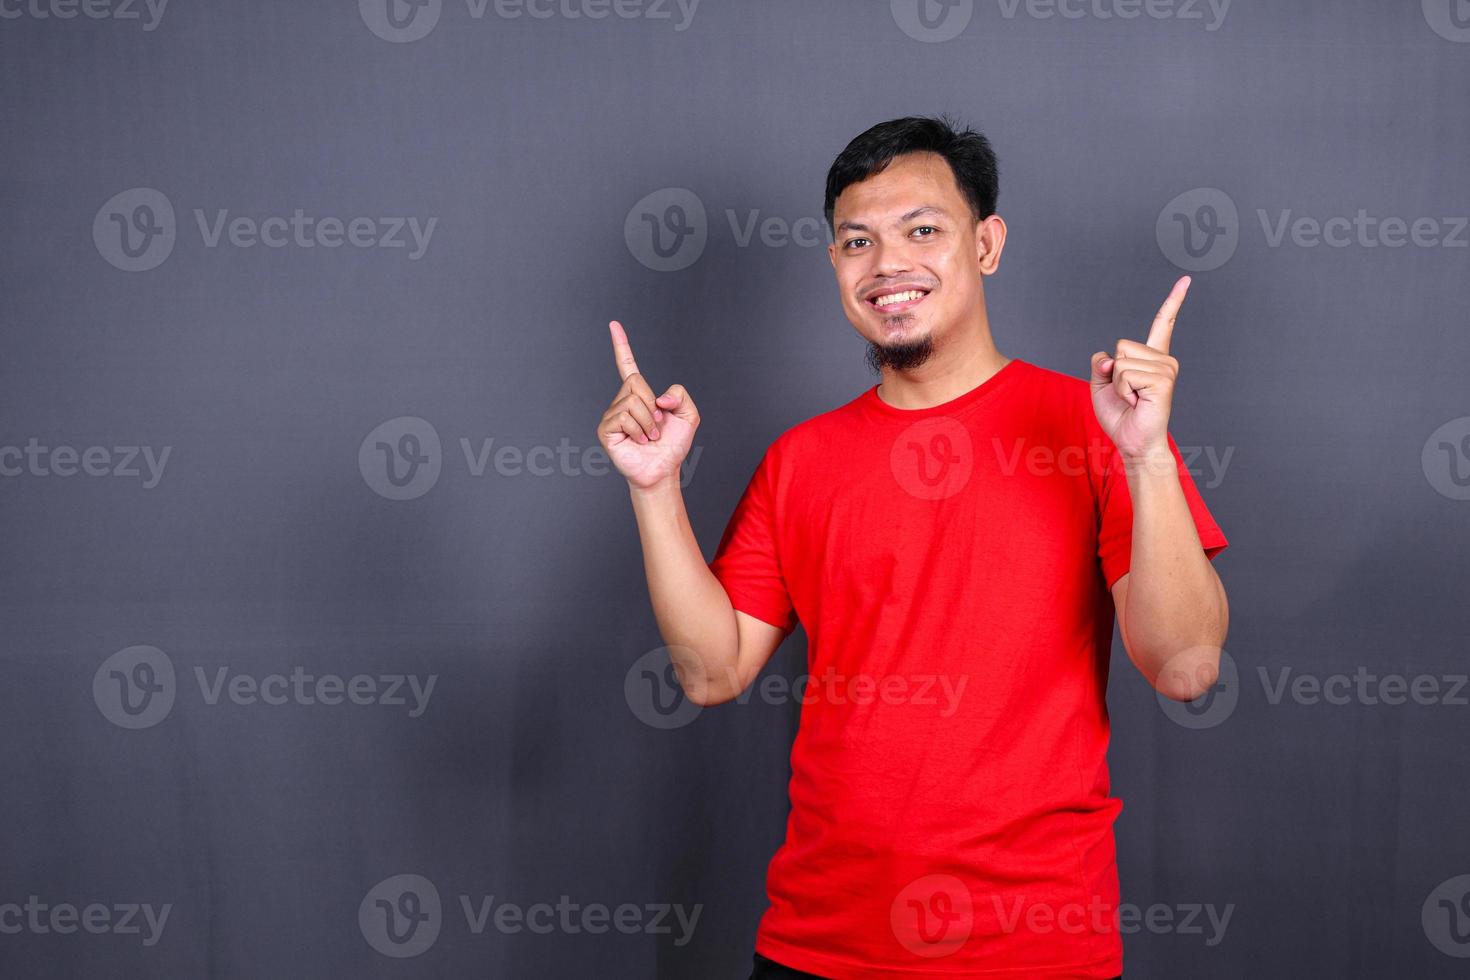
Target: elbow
x: 704, y: 695
x: 701, y: 685
x: 1190, y: 675
x: 709, y: 700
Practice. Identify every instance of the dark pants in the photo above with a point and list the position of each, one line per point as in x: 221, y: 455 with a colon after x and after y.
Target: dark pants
x: 771, y: 970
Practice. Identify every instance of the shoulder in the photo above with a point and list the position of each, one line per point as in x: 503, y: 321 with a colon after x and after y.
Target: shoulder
x: 824, y: 430
x: 1064, y: 387
x: 1038, y: 396
x: 1044, y: 403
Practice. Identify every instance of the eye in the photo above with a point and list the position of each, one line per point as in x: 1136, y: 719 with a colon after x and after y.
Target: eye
x: 925, y: 228
x: 852, y: 241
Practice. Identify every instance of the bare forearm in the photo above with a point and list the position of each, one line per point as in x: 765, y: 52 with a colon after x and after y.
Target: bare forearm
x: 693, y: 612
x: 1177, y: 614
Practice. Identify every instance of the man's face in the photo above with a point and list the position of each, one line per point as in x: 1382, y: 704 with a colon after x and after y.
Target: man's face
x: 908, y: 234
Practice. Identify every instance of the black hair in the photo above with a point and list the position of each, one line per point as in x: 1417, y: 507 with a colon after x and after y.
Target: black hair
x: 968, y: 153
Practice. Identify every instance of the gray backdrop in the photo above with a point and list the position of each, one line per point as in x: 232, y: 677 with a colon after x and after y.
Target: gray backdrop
x: 269, y: 475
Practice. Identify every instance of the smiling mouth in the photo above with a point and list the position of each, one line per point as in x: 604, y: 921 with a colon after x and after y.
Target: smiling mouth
x: 895, y: 302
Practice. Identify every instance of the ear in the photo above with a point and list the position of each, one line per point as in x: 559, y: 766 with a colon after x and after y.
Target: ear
x: 832, y: 254
x: 990, y: 240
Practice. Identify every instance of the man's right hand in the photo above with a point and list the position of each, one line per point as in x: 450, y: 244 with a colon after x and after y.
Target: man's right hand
x: 646, y: 436
x: 717, y: 650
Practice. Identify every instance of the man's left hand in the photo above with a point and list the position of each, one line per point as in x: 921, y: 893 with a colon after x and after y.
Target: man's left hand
x: 1133, y: 387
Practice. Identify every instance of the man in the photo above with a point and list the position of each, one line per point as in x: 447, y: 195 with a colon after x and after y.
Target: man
x: 955, y: 541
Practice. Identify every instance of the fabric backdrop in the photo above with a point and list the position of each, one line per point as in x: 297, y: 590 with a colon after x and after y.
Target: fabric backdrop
x: 328, y: 651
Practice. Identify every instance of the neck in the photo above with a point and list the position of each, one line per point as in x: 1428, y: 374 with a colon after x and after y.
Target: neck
x: 960, y: 363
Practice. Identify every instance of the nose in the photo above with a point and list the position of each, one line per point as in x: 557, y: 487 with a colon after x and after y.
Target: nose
x: 891, y: 260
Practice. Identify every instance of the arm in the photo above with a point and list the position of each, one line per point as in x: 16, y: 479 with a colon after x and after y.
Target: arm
x: 716, y: 650
x: 1172, y: 609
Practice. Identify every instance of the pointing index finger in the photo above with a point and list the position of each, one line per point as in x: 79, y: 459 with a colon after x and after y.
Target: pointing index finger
x: 622, y: 351
x: 1162, y: 330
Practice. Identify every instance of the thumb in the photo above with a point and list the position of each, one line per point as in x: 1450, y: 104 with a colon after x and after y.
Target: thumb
x: 676, y: 401
x: 1102, y: 370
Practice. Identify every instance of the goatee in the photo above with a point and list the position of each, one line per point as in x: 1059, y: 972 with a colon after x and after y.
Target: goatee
x: 900, y: 357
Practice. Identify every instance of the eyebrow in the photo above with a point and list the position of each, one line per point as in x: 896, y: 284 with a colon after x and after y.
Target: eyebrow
x: 858, y: 226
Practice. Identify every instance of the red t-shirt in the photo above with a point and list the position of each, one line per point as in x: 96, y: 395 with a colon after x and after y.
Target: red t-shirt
x: 950, y: 814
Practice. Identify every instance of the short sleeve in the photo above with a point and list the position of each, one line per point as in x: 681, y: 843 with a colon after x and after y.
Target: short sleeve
x: 747, y: 561
x: 1115, y: 536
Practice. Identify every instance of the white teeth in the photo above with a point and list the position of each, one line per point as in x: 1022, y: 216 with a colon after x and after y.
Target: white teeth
x: 898, y: 297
